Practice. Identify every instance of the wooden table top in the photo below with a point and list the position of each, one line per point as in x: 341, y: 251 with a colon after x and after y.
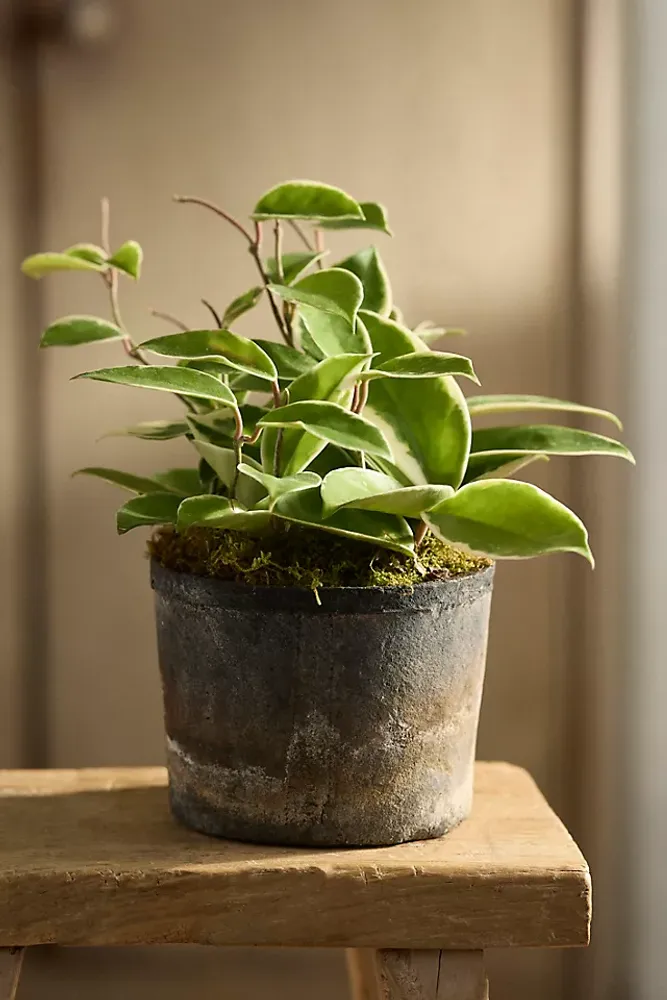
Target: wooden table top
x: 92, y: 857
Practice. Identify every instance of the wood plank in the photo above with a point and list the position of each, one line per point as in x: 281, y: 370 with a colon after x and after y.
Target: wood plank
x: 93, y: 857
x: 432, y: 975
x: 11, y: 960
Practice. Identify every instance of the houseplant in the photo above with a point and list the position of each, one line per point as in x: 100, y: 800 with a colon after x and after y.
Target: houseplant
x: 323, y: 572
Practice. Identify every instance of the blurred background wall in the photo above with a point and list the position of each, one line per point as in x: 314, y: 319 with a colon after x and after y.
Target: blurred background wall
x: 493, y: 131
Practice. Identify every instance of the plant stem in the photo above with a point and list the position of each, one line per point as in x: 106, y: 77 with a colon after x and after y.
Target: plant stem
x: 319, y: 246
x: 110, y: 279
x: 362, y: 398
x: 204, y: 203
x: 238, y: 450
x: 254, y: 253
x: 302, y: 236
x: 214, y: 313
x: 170, y: 319
x: 275, y: 392
x: 420, y: 533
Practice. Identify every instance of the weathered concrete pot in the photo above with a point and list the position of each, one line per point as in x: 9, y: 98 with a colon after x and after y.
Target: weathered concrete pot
x: 349, y: 723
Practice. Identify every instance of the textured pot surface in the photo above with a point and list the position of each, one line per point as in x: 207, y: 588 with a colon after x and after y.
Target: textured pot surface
x: 350, y: 723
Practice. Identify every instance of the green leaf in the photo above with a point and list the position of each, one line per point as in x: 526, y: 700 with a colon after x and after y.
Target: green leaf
x: 509, y: 520
x: 500, y: 464
x: 327, y: 381
x: 70, y: 331
x: 153, y: 430
x: 217, y: 512
x: 294, y: 264
x: 387, y: 530
x: 423, y: 364
x: 370, y: 270
x: 153, y: 508
x: 126, y: 480
x: 276, y: 486
x: 545, y: 439
x: 515, y: 403
x: 128, y: 258
x: 375, y: 217
x: 46, y: 263
x: 224, y: 463
x: 239, y: 353
x: 428, y: 332
x: 307, y: 200
x: 427, y: 421
x: 243, y: 304
x: 184, y: 381
x: 330, y: 422
x: 328, y: 304
x: 183, y: 481
x: 289, y: 362
x: 87, y: 251
x: 368, y: 490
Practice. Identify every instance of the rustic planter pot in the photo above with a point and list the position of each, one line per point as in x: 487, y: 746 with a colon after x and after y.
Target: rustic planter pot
x: 349, y: 723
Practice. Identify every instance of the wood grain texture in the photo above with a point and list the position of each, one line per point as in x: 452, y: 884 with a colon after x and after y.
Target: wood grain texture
x: 432, y: 975
x: 92, y: 857
x: 11, y: 960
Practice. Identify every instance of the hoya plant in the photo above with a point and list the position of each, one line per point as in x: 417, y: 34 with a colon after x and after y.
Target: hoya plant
x: 343, y: 418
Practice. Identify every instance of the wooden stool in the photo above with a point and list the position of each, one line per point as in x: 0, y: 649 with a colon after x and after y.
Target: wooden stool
x: 92, y: 857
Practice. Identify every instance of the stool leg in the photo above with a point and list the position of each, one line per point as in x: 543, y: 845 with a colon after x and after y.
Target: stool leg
x: 362, y: 974
x: 431, y: 975
x: 11, y: 960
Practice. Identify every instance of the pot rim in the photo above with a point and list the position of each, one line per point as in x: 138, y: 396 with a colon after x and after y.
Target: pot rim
x: 211, y: 591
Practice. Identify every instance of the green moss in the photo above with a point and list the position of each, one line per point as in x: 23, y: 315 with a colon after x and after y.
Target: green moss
x: 301, y: 557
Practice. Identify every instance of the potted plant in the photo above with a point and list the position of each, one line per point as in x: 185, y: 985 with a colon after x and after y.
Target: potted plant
x: 323, y: 571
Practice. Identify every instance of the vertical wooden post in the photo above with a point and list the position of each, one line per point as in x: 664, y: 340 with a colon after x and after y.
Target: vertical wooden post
x: 417, y: 975
x: 11, y: 960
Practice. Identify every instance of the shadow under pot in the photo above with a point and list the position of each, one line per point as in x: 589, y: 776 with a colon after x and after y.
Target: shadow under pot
x: 353, y: 722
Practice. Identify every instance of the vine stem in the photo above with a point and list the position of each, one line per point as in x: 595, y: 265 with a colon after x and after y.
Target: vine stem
x: 168, y: 318
x: 302, y: 236
x: 254, y: 245
x: 110, y: 279
x: 362, y: 397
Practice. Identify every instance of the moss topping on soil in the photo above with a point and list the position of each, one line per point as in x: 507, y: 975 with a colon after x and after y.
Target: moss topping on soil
x: 303, y: 558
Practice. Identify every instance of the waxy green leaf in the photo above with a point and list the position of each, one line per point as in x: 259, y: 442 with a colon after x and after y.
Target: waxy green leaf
x: 289, y: 362
x: 186, y: 482
x: 70, y: 331
x: 545, y: 439
x: 126, y: 480
x: 40, y: 264
x: 240, y: 353
x: 387, y: 530
x: 327, y: 381
x: 370, y: 270
x: 128, y: 258
x: 223, y: 461
x: 422, y: 364
x: 328, y: 305
x: 184, y: 381
x: 217, y: 512
x: 293, y: 266
x: 499, y: 464
x: 375, y: 217
x: 508, y: 403
x: 153, y: 430
x: 307, y: 200
x: 330, y: 422
x: 153, y: 508
x: 276, y: 486
x: 368, y: 490
x: 426, y: 421
x: 242, y: 304
x: 87, y: 251
x: 509, y: 520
